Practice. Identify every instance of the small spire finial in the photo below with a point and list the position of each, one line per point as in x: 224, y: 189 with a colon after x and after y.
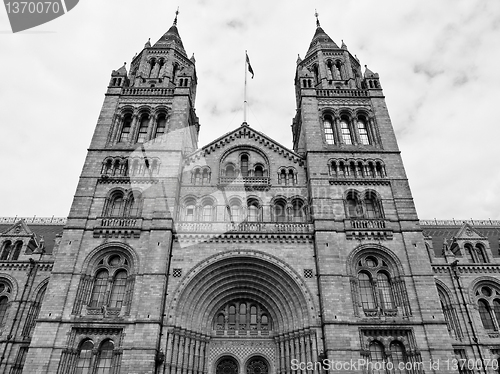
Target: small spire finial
x: 317, y: 19
x: 176, y: 14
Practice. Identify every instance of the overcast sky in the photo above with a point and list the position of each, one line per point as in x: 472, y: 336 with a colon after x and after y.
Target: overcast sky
x: 438, y: 60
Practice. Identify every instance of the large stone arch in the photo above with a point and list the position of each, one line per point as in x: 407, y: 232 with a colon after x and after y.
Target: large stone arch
x: 242, y: 274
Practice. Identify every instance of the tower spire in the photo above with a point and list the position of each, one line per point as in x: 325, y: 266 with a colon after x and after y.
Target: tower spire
x: 317, y: 19
x: 176, y: 14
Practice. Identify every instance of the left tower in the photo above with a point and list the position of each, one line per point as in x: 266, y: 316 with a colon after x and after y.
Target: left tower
x: 104, y: 306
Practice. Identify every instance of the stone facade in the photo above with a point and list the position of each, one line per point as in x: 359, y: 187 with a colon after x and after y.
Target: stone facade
x: 245, y: 255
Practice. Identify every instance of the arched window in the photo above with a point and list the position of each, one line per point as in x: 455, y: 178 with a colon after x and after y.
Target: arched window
x: 205, y: 179
x: 33, y: 313
x: 4, y: 302
x: 329, y: 70
x: 105, y: 358
x: 346, y: 131
x: 316, y: 74
x: 253, y: 209
x: 328, y: 128
x: 481, y: 253
x: 377, y: 358
x: 450, y: 315
x: 17, y: 251
x: 98, y: 298
x: 230, y: 171
x: 152, y: 64
x: 372, y: 207
x: 385, y: 291
x: 259, y: 171
x: 132, y: 207
x: 352, y: 203
x: 143, y: 129
x: 469, y: 253
x: 244, y: 165
x: 232, y: 314
x: 115, y: 205
x: 298, y: 210
x: 338, y: 70
x: 84, y: 363
x: 379, y: 287
x: 175, y: 70
x: 189, y: 210
x: 485, y: 314
x: 126, y: 125
x: 253, y: 315
x: 220, y: 321
x: 161, y: 126
x: 488, y: 301
x: 118, y: 290
x: 398, y: 358
x: 235, y: 211
x: 363, y: 131
x: 496, y: 310
x: 366, y: 291
x: 207, y: 212
x: 282, y: 177
x: 280, y: 211
x: 6, y: 248
x: 197, y: 176
x: 291, y: 178
x: 242, y: 315
x: 110, y: 289
x: 264, y: 320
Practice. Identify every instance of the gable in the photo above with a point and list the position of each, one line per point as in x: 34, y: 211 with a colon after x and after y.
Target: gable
x: 252, y: 137
x: 18, y: 229
x: 467, y: 232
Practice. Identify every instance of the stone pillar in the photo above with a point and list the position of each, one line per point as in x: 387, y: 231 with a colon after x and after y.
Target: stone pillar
x: 196, y: 360
x: 355, y: 133
x: 168, y: 353
x: 133, y: 127
x: 337, y: 131
x: 117, y: 119
x: 175, y: 353
x: 151, y: 127
x: 180, y: 356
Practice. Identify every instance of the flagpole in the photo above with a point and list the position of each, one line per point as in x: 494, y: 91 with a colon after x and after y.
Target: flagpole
x: 245, y: 92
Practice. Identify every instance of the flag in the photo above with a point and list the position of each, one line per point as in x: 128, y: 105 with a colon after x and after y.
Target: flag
x: 249, y: 66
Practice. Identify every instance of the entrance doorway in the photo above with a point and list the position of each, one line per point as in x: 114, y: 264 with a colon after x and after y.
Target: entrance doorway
x: 257, y: 365
x: 227, y: 365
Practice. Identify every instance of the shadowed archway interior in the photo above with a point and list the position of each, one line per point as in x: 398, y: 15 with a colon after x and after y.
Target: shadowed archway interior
x: 249, y: 277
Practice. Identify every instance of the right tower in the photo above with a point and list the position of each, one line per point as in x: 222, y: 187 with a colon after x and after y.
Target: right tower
x: 378, y: 296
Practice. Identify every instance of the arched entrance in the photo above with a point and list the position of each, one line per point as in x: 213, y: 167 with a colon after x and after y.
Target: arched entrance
x: 226, y: 365
x: 248, y: 306
x: 257, y: 365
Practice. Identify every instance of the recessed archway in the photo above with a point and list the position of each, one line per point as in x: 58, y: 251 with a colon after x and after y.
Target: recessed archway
x: 241, y: 274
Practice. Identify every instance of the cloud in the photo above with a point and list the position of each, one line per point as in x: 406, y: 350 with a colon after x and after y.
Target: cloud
x: 235, y: 24
x: 437, y: 73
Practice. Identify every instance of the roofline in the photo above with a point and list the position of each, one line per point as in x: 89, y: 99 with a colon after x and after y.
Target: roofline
x: 206, y: 146
x: 55, y: 221
x: 459, y: 222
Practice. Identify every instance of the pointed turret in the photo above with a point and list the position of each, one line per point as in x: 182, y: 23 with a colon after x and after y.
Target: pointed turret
x: 369, y: 73
x: 320, y: 40
x: 172, y: 38
x: 121, y: 71
x: 119, y: 77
